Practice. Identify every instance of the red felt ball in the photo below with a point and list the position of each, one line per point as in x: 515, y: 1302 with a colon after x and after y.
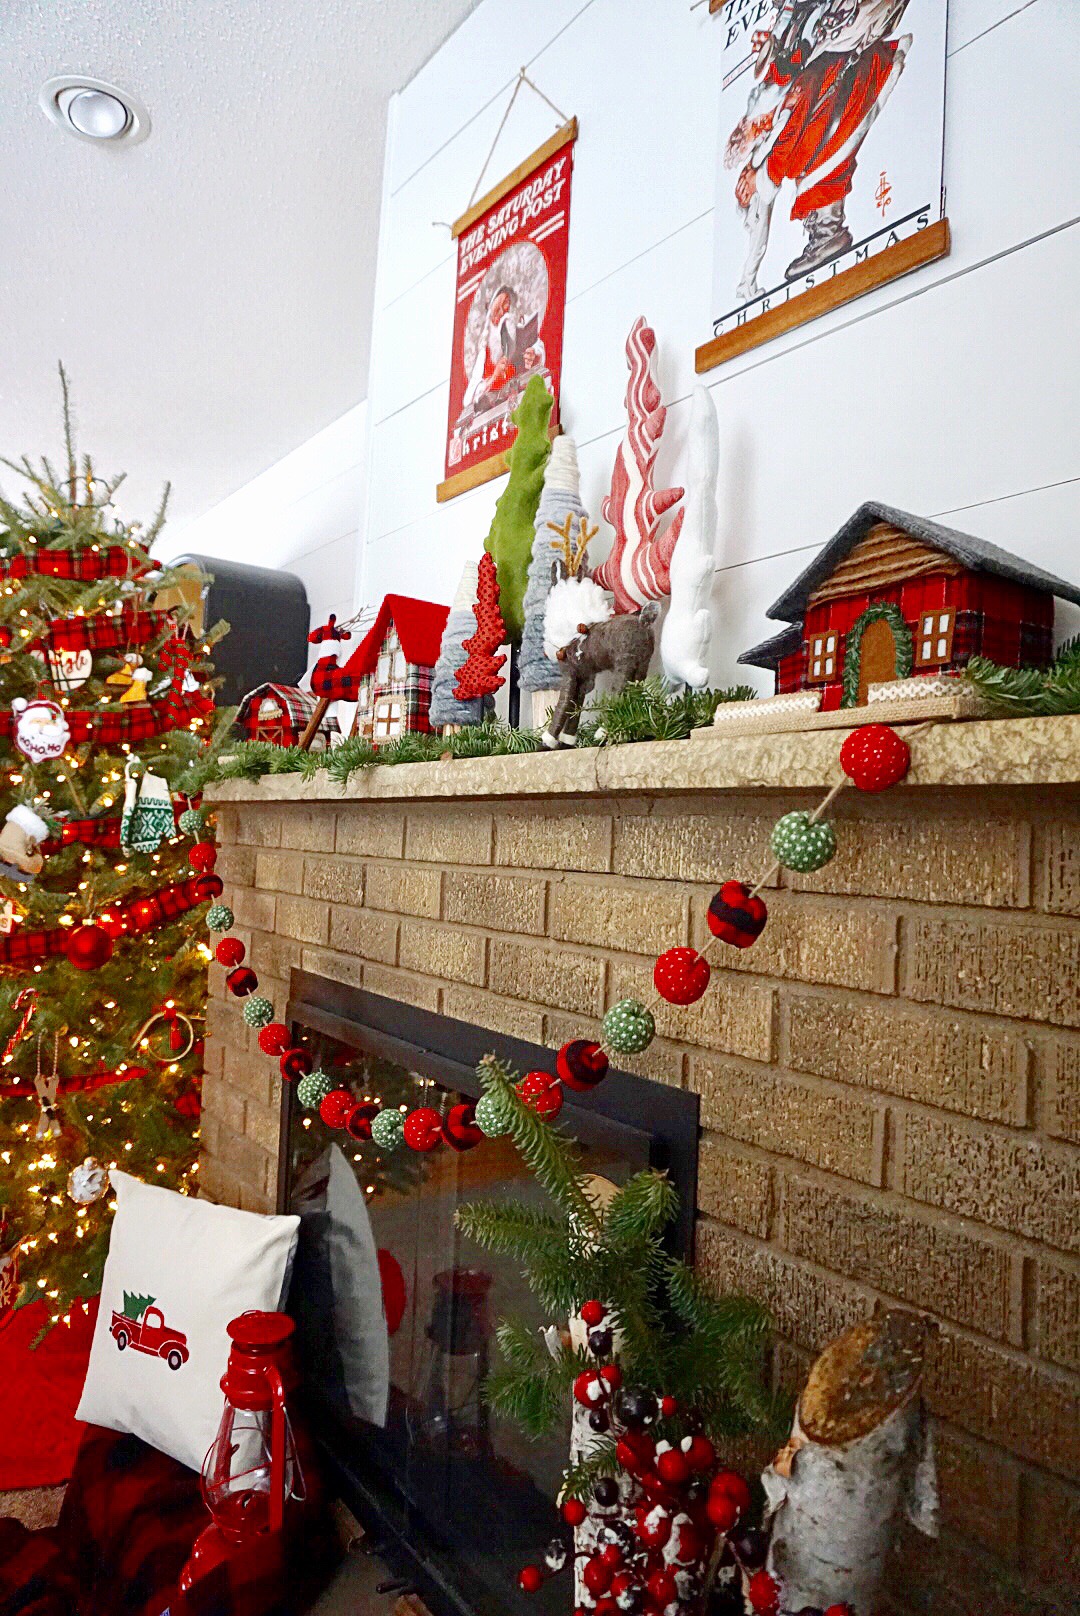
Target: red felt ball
x: 242, y: 981
x: 763, y: 1593
x: 541, y: 1092
x: 722, y: 1511
x: 735, y: 917
x: 530, y: 1579
x: 597, y: 1576
x: 573, y: 1511
x: 358, y: 1122
x: 874, y: 757
x: 460, y: 1130
x: 208, y: 886
x: 336, y: 1107
x: 274, y: 1038
x: 88, y: 947
x: 295, y: 1063
x: 681, y: 975
x: 203, y: 856
x: 593, y: 1313
x: 423, y: 1128
x: 581, y: 1065
x: 699, y: 1454
x: 672, y: 1468
x: 729, y: 1484
x: 229, y: 952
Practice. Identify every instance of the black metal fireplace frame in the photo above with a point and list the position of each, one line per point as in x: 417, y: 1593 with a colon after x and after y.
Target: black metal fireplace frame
x: 664, y: 1119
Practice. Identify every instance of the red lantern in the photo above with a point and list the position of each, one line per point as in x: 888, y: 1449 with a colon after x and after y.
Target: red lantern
x: 252, y: 1469
x: 88, y: 947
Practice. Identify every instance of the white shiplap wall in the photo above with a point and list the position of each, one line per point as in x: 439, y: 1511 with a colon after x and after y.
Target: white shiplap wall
x: 951, y: 393
x: 302, y: 514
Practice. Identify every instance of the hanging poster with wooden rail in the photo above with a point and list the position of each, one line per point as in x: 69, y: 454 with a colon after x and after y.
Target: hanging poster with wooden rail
x: 510, y: 300
x: 829, y: 163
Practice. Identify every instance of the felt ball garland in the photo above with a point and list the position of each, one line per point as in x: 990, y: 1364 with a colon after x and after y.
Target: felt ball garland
x: 491, y: 1117
x: 191, y: 822
x: 801, y: 844
x: 219, y: 917
x: 628, y: 1027
x: 312, y: 1090
x: 388, y: 1130
x: 258, y: 1012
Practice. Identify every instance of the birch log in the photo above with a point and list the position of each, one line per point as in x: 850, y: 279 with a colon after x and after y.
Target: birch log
x: 859, y: 1457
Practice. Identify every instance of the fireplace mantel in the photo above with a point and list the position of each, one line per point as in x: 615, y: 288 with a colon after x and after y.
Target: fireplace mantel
x: 889, y: 1077
x: 1001, y: 752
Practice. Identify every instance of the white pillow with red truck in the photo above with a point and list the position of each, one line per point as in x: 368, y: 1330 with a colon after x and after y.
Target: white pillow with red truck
x: 178, y: 1270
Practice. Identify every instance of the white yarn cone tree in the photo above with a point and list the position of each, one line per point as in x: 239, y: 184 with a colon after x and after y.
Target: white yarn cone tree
x: 687, y: 630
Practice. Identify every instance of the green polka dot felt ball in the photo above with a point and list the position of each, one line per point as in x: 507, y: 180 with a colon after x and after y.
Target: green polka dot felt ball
x: 491, y: 1116
x: 629, y: 1027
x: 803, y: 844
x: 258, y: 1012
x: 388, y: 1130
x: 312, y: 1090
x: 219, y: 917
x: 191, y: 822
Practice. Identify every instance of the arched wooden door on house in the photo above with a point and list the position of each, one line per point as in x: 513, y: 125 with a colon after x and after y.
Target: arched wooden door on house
x: 877, y: 656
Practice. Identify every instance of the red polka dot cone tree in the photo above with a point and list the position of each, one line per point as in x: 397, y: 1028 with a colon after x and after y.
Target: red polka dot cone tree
x: 479, y: 675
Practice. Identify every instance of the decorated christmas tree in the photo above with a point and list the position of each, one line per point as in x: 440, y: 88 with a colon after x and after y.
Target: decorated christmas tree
x: 105, y: 721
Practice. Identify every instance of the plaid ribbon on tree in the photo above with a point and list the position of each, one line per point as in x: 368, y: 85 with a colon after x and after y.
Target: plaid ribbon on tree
x: 23, y: 949
x: 82, y: 566
x: 103, y: 832
x: 113, y: 631
x: 133, y: 724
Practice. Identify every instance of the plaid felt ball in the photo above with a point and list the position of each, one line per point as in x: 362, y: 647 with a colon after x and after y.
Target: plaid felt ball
x: 581, y: 1065
x: 242, y: 982
x: 803, y: 844
x: 258, y: 1012
x: 735, y: 917
x: 295, y: 1063
x: 207, y: 886
x: 459, y: 1127
x: 312, y: 1090
x: 388, y: 1130
x: 629, y: 1027
x: 219, y: 917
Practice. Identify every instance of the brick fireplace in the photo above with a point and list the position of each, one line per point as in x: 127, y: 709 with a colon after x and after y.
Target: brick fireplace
x: 889, y: 1079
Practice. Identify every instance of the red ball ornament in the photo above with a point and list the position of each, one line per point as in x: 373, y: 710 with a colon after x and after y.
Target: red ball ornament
x: 242, y: 981
x: 699, y: 1454
x: 274, y: 1038
x: 688, y: 1540
x: 763, y: 1593
x: 596, y: 1575
x: 668, y: 1405
x: 229, y: 952
x: 593, y: 1313
x: 671, y: 1467
x: 612, y: 1555
x: 735, y: 917
x: 681, y: 975
x: 358, y: 1122
x: 729, y: 1484
x: 88, y: 947
x: 722, y: 1511
x: 662, y: 1587
x: 581, y: 1065
x: 839, y: 1610
x: 144, y: 913
x: 111, y: 921
x: 589, y: 1390
x: 460, y: 1130
x: 203, y: 856
x: 423, y: 1128
x: 611, y: 1375
x: 654, y: 1527
x: 530, y: 1579
x: 295, y: 1063
x: 573, y: 1511
x: 635, y: 1451
x: 874, y: 757
x: 541, y: 1092
x: 206, y: 887
x: 336, y: 1107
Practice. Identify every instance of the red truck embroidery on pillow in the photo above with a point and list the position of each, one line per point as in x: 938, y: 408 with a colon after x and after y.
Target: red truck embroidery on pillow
x: 142, y: 1326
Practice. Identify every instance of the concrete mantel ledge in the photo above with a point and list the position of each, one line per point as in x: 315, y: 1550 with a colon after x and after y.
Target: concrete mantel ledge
x: 998, y: 752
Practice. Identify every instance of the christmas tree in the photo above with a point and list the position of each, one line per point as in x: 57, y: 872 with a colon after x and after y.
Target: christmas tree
x: 479, y: 674
x: 510, y: 539
x: 105, y: 721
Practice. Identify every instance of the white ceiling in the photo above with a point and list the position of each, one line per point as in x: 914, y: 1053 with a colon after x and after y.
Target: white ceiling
x: 209, y: 290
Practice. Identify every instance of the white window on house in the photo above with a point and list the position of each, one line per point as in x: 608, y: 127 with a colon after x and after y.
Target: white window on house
x: 388, y: 718
x: 382, y: 669
x: 363, y: 696
x: 821, y: 665
x: 933, y: 646
x: 401, y: 667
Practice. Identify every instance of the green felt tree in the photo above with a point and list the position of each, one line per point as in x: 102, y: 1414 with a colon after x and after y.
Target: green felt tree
x: 677, y: 1337
x: 510, y: 537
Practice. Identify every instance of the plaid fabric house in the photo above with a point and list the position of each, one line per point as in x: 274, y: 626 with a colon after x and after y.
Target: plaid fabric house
x: 893, y: 596
x: 280, y: 714
x: 389, y: 674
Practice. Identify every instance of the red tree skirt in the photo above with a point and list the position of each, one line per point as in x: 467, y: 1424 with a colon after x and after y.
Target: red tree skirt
x: 39, y: 1393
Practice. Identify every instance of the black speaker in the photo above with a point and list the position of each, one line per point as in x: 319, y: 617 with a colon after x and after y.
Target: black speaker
x: 268, y: 617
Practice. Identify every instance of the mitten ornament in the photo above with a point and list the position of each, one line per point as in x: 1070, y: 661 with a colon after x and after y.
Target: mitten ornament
x: 803, y: 844
x: 20, y: 855
x: 874, y: 757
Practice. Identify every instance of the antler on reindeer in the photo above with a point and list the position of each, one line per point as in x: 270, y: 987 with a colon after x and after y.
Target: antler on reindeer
x: 636, y: 571
x: 571, y: 550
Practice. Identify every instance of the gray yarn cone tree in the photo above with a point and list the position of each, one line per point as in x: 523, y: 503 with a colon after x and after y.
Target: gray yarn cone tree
x: 445, y: 707
x: 561, y: 494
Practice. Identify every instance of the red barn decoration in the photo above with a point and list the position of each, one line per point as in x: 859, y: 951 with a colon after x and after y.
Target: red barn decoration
x: 280, y: 714
x: 388, y: 676
x: 885, y: 617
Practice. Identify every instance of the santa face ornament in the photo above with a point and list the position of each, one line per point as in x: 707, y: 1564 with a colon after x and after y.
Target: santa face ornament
x: 41, y: 730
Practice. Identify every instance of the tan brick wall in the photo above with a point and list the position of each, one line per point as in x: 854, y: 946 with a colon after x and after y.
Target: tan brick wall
x: 890, y: 1078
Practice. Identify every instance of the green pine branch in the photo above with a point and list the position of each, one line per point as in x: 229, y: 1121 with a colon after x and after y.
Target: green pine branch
x: 1030, y: 692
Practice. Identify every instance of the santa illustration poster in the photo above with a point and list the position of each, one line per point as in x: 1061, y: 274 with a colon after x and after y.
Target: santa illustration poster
x: 509, y: 304
x: 829, y: 170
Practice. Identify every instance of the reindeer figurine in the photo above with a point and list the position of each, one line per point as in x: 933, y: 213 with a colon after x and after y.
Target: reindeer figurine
x: 581, y: 633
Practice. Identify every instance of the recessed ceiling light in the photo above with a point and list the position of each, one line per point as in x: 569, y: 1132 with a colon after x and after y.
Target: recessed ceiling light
x: 91, y: 109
